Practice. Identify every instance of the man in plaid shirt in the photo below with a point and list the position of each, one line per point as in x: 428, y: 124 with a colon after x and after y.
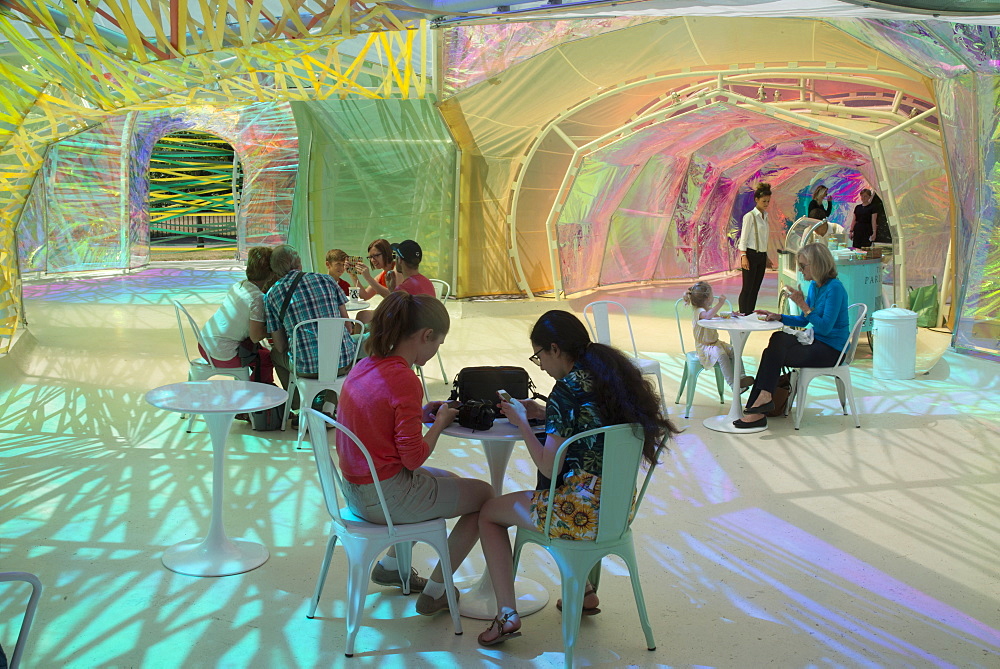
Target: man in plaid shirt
x: 315, y: 296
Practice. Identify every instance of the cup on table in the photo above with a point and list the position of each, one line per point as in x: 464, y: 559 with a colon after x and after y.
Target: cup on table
x: 354, y: 294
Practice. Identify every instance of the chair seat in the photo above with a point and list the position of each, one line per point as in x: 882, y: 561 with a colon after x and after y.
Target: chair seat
x: 647, y: 365
x: 358, y: 526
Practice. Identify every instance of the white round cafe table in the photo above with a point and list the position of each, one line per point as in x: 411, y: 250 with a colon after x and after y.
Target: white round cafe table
x: 357, y: 306
x: 218, y: 401
x: 739, y: 329
x: 478, y: 600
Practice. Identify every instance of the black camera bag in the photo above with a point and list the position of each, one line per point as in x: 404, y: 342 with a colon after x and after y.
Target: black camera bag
x: 482, y: 383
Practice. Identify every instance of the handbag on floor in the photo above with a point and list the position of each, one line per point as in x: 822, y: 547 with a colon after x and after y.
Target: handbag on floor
x: 269, y: 419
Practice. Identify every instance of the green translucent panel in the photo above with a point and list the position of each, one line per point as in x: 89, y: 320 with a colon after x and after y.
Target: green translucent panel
x: 373, y: 169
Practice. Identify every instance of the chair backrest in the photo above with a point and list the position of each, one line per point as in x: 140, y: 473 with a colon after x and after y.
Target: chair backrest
x: 851, y: 345
x: 329, y: 335
x: 622, y: 457
x: 329, y: 473
x: 443, y: 289
x: 597, y: 316
x: 29, y: 612
x: 179, y: 310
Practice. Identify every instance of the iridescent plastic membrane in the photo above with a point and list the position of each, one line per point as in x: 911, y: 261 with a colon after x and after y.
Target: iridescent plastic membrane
x: 375, y: 169
x: 92, y: 171
x: 476, y: 53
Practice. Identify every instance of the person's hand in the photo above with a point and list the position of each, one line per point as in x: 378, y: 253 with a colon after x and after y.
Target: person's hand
x: 872, y: 238
x: 515, y: 412
x: 796, y: 296
x: 722, y: 300
x: 429, y: 410
x: 445, y: 415
x: 744, y: 262
x: 770, y: 263
x: 533, y: 410
x: 828, y: 198
x: 768, y: 315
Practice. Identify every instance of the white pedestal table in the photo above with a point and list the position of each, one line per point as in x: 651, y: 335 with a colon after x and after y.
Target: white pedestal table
x: 739, y: 329
x: 218, y: 401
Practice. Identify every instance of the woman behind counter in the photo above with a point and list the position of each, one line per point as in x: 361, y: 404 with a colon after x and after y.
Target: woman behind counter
x: 825, y: 309
x: 816, y: 208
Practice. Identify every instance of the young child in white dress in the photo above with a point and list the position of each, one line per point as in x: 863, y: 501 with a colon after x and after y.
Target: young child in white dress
x: 710, y: 349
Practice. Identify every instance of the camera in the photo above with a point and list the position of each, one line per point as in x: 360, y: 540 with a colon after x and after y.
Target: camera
x: 477, y: 415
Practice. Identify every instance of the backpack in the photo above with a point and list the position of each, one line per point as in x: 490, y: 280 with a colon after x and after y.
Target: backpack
x: 267, y: 419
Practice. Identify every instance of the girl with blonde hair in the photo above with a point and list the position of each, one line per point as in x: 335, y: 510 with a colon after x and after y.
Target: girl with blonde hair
x: 710, y: 349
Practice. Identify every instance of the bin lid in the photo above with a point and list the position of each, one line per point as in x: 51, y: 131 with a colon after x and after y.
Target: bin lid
x: 894, y: 313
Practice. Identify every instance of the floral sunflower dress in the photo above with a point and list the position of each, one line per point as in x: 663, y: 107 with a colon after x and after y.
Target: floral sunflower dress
x: 572, y: 409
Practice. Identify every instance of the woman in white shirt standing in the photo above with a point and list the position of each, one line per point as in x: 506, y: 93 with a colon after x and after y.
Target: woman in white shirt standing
x: 753, y: 248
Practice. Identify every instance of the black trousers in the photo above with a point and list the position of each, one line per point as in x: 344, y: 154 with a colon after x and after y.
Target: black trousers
x: 784, y: 350
x: 752, y: 278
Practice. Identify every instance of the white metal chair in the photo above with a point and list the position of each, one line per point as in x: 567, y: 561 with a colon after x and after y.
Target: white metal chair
x: 443, y: 293
x: 598, y: 320
x: 200, y: 369
x: 580, y: 560
x: 692, y: 366
x: 29, y: 612
x: 363, y: 541
x: 803, y: 376
x: 329, y: 334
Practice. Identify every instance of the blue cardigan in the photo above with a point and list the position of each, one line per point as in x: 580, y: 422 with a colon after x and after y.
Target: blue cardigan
x: 828, y: 316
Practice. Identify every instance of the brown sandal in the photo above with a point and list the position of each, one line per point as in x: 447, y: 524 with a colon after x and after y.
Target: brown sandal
x: 499, y: 622
x: 587, y: 610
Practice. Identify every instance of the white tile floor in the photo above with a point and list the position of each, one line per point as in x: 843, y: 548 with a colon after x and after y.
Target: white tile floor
x: 830, y: 546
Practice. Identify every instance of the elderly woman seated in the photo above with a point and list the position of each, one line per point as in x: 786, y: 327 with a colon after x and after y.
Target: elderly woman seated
x: 825, y: 309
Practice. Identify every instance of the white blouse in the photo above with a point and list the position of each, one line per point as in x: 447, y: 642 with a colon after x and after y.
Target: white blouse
x: 754, y: 234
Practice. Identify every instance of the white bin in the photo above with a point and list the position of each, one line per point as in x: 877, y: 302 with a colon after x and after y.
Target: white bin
x: 894, y: 333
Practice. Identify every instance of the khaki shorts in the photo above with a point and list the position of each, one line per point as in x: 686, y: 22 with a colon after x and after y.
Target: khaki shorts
x: 411, y: 496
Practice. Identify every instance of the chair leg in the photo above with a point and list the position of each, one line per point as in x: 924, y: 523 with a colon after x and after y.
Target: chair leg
x: 357, y: 588
x: 628, y: 554
x: 663, y: 398
x: 692, y: 386
x: 573, y: 587
x: 292, y: 389
x: 720, y: 383
x: 840, y: 394
x: 800, y: 401
x: 444, y: 375
x: 330, y: 545
x: 793, y: 389
x: 423, y: 382
x: 303, y: 427
x: 404, y: 558
x: 594, y: 578
x: 449, y: 585
x: 849, y: 387
x: 684, y: 380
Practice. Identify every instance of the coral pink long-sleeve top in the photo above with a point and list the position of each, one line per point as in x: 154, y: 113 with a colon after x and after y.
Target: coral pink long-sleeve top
x: 380, y: 403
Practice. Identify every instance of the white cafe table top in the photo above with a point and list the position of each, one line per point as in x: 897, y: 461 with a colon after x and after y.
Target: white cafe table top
x: 749, y: 323
x: 216, y: 396
x: 357, y: 306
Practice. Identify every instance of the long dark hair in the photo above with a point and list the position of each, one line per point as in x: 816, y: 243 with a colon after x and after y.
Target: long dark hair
x: 623, y: 395
x: 400, y: 315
